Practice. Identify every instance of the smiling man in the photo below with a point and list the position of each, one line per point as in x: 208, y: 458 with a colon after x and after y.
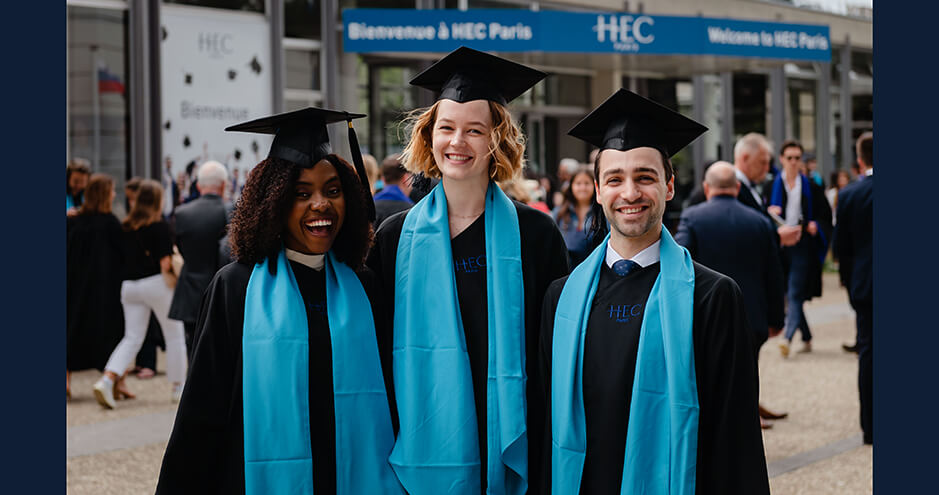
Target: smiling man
x: 646, y: 355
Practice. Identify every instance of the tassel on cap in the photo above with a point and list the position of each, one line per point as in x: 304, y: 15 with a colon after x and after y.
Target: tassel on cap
x: 360, y: 169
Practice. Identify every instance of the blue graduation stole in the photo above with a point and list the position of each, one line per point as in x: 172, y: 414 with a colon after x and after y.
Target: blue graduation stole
x: 662, y: 437
x: 437, y: 449
x: 776, y: 199
x: 275, y: 374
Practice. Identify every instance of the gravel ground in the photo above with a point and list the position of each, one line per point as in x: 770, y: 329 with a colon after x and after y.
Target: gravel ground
x: 153, y: 395
x: 120, y: 472
x: 818, y: 390
x: 848, y: 473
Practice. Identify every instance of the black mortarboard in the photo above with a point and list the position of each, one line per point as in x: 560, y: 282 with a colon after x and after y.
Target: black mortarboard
x: 300, y: 137
x: 626, y: 121
x: 466, y: 75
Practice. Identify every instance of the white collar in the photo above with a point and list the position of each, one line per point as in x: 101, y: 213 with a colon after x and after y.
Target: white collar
x: 742, y: 177
x: 314, y: 261
x: 869, y: 172
x: 644, y: 258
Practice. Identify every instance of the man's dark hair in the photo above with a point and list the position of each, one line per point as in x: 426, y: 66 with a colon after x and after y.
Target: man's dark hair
x: 790, y: 143
x: 865, y: 148
x: 77, y: 166
x: 260, y: 217
x: 666, y: 164
x: 392, y: 171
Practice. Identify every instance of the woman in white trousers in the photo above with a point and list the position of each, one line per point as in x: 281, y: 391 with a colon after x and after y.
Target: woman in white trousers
x: 147, y: 250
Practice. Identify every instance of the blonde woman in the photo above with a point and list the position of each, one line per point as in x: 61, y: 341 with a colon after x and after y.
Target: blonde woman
x: 466, y: 269
x: 147, y: 247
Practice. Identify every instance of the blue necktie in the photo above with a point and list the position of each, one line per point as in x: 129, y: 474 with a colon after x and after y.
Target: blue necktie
x: 625, y: 267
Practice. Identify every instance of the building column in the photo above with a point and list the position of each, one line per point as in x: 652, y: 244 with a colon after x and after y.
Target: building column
x: 727, y: 116
x: 777, y: 110
x: 698, y: 113
x: 376, y: 131
x: 329, y: 54
x: 140, y: 86
x: 275, y: 16
x: 823, y: 153
x: 156, y: 91
x: 847, y: 114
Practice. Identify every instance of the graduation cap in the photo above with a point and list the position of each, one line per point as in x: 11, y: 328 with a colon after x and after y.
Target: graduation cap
x: 300, y: 137
x: 466, y: 75
x: 626, y: 121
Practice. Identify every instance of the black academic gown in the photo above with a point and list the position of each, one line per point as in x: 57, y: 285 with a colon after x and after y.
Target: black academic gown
x: 544, y: 258
x: 730, y: 456
x: 205, y: 453
x: 94, y: 273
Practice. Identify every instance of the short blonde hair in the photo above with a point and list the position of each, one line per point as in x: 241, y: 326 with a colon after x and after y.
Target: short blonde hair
x: 506, y: 144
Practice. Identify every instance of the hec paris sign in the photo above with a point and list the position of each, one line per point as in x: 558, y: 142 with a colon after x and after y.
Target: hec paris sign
x: 406, y: 30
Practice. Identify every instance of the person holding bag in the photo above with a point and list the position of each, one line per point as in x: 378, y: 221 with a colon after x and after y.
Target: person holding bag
x: 147, y: 286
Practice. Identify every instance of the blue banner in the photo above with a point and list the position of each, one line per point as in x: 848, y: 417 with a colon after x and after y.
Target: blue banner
x: 407, y: 30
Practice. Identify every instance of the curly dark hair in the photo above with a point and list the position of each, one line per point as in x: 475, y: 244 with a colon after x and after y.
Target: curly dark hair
x: 257, y: 226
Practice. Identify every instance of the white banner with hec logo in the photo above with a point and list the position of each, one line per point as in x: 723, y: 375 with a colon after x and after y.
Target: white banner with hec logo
x: 216, y: 72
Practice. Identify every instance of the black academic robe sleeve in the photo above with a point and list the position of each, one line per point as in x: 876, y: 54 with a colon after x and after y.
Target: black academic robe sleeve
x: 383, y: 327
x: 544, y: 259
x: 731, y: 458
x: 545, y: 342
x: 730, y: 455
x: 205, y: 453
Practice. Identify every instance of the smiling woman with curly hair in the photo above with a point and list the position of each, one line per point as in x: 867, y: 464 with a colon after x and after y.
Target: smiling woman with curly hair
x: 290, y: 385
x: 257, y: 225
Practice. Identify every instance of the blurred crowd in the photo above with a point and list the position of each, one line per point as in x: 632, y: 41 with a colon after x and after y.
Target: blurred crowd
x: 135, y: 283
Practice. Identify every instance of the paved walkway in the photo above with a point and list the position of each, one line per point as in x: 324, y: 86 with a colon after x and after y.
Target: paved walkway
x: 816, y: 450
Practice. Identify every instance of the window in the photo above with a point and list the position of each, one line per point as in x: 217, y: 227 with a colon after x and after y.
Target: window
x: 568, y: 90
x: 303, y: 69
x: 302, y: 19
x: 98, y: 116
x: 249, y: 5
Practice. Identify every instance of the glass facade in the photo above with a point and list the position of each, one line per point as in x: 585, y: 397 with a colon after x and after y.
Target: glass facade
x: 247, y: 5
x: 302, y: 69
x: 302, y: 19
x: 98, y: 116
x: 385, y: 96
x: 800, y: 114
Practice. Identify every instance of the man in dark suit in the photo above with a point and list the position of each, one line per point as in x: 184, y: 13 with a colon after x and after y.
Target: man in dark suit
x: 853, y: 246
x: 801, y: 204
x: 751, y: 161
x: 739, y: 242
x: 199, y: 226
x: 394, y: 196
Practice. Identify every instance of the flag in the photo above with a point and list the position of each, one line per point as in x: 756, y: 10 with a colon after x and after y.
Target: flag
x: 109, y: 83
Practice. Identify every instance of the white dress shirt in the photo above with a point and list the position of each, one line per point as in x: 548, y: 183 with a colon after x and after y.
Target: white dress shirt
x: 644, y: 258
x: 748, y: 186
x: 314, y: 261
x: 793, y: 200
